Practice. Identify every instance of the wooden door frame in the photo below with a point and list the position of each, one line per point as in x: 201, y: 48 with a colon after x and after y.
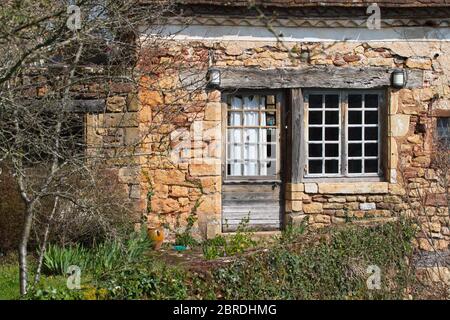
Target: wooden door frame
x: 282, y: 159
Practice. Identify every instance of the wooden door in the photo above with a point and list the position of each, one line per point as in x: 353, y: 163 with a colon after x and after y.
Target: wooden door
x: 251, y: 191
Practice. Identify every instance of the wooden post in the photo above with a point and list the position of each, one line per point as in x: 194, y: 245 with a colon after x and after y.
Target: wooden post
x: 296, y: 143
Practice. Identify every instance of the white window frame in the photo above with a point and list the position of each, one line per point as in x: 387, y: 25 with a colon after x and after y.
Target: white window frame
x: 343, y: 136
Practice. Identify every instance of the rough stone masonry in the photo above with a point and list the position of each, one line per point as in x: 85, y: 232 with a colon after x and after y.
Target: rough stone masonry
x: 152, y: 123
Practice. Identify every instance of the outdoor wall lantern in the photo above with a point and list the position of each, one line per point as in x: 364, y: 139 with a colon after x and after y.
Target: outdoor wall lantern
x: 213, y: 77
x: 399, y: 78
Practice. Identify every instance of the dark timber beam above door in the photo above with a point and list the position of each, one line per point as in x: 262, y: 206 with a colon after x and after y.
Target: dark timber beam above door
x: 314, y: 77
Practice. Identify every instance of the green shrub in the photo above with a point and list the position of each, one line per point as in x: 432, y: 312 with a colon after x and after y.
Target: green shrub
x: 58, y: 259
x: 150, y: 281
x: 334, y: 268
x: 231, y: 245
x: 103, y: 257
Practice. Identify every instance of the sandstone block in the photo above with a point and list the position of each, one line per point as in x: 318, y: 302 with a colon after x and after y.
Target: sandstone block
x: 169, y: 177
x: 204, y: 169
x: 294, y: 219
x: 353, y: 188
x: 114, y: 120
x: 419, y: 63
x: 296, y: 206
x: 164, y: 205
x: 210, y: 204
x: 321, y: 218
x: 129, y: 175
x: 399, y: 125
x: 367, y: 206
x: 233, y: 50
x: 310, y: 187
x: 135, y: 191
x: 213, y: 229
x: 133, y: 104
x: 115, y: 104
x: 178, y: 191
x: 313, y: 208
x: 132, y: 136
x: 213, y: 111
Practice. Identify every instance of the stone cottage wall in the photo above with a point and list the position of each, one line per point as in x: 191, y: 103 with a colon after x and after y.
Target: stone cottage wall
x: 172, y: 189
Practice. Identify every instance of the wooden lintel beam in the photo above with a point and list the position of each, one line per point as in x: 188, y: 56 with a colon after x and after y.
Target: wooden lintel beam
x: 314, y: 77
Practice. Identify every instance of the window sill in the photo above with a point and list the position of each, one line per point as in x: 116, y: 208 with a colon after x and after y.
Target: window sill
x: 353, y: 188
x: 252, y: 181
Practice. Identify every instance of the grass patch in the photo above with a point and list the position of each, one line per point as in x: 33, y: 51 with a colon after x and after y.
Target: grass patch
x: 9, y: 279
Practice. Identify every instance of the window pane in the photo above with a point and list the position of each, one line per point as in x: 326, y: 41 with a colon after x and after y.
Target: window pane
x: 354, y: 101
x: 250, y: 152
x: 234, y: 135
x: 332, y: 117
x: 371, y: 133
x: 331, y: 134
x: 354, y: 150
x: 371, y: 166
x: 443, y: 127
x: 268, y: 168
x: 251, y: 135
x: 234, y: 169
x: 332, y: 101
x: 250, y: 168
x: 236, y: 102
x: 354, y: 117
x: 251, y: 102
x: 371, y: 149
x: 269, y: 151
x: 371, y: 101
x: 371, y: 117
x: 234, y: 151
x: 315, y: 101
x: 271, y: 119
x: 315, y: 134
x: 355, y: 166
x: 251, y: 119
x: 354, y: 133
x: 315, y: 117
x: 443, y: 132
x: 234, y: 119
x: 315, y: 166
x: 315, y: 150
x: 332, y: 150
x: 270, y: 102
x: 331, y: 166
x: 268, y: 135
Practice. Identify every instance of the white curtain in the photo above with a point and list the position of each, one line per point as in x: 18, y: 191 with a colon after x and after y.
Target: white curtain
x: 263, y: 140
x: 251, y: 136
x: 234, y: 138
x: 248, y: 144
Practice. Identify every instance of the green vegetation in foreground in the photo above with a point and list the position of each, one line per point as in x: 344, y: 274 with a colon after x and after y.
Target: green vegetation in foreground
x: 299, y: 265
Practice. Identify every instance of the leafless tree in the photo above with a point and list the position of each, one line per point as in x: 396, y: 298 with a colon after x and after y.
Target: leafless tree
x: 43, y: 63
